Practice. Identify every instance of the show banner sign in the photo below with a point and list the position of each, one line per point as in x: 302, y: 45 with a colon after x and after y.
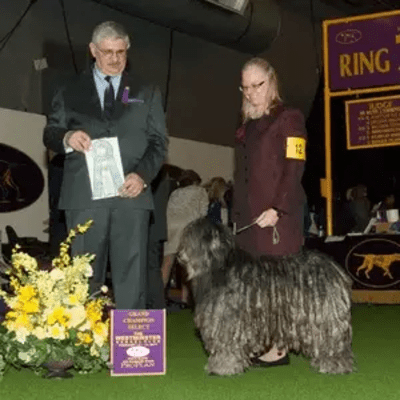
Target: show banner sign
x: 373, y: 122
x: 363, y: 51
x: 138, y: 342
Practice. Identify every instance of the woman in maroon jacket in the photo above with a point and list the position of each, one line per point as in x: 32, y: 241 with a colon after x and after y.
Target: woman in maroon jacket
x: 270, y: 157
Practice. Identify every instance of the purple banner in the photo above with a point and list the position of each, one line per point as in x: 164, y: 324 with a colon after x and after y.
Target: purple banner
x: 364, y: 53
x: 138, y: 342
x: 373, y: 122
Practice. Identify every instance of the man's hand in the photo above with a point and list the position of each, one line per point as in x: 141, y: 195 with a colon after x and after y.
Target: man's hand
x: 79, y: 141
x: 267, y: 218
x: 133, y: 186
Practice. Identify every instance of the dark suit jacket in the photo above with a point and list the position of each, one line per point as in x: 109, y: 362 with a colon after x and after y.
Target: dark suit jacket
x: 139, y: 126
x: 265, y: 178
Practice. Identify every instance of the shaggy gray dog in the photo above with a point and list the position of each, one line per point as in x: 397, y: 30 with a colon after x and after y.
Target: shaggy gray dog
x: 244, y: 306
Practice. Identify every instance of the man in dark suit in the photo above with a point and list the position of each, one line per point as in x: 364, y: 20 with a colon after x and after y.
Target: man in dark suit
x: 106, y: 102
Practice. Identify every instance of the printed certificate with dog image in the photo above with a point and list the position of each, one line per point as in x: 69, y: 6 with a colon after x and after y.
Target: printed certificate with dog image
x: 105, y: 168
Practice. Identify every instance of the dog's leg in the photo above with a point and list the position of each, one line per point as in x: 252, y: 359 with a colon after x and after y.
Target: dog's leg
x: 337, y: 357
x: 339, y: 363
x: 225, y: 363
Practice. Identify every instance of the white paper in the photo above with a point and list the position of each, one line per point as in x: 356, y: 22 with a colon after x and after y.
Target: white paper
x: 329, y: 239
x: 392, y: 215
x: 371, y: 223
x: 105, y: 168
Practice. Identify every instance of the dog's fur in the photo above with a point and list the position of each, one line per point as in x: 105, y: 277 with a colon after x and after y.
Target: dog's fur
x: 244, y: 306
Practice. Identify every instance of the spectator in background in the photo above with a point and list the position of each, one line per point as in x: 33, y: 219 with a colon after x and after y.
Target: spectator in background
x: 360, y: 207
x: 160, y: 188
x: 173, y: 172
x: 217, y: 210
x: 388, y: 202
x: 187, y: 203
x: 163, y: 185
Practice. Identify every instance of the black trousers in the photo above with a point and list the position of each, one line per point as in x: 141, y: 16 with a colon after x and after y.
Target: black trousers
x: 155, y: 286
x: 118, y: 236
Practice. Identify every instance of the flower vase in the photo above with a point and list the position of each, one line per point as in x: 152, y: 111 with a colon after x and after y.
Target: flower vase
x: 58, y: 369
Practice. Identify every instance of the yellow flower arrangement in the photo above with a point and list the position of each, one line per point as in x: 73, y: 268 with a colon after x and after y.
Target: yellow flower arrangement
x: 51, y: 315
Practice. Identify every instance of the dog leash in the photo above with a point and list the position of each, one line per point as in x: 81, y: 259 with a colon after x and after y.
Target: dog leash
x: 275, y: 234
x: 236, y: 231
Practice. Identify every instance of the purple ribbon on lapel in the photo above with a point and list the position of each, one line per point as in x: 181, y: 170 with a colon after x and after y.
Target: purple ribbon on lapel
x: 127, y: 100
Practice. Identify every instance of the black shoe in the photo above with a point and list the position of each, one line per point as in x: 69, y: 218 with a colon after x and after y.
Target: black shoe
x: 256, y: 362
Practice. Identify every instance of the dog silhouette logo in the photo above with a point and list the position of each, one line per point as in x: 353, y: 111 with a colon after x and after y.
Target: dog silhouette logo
x: 375, y: 263
x: 382, y: 261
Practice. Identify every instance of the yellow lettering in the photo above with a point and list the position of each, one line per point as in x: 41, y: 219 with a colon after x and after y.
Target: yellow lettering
x: 355, y: 62
x: 368, y: 63
x: 360, y: 63
x: 386, y: 64
x: 380, y: 104
x: 344, y: 63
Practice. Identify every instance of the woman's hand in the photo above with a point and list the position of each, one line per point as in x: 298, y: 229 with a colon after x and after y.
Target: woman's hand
x: 267, y: 218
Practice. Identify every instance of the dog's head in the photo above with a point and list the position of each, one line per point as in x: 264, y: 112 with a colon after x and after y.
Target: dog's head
x: 202, y: 244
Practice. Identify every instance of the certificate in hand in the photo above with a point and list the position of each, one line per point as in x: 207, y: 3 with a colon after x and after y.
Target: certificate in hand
x: 105, y: 168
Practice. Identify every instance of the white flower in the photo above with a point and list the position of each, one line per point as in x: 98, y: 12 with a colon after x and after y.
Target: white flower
x: 56, y: 274
x: 21, y: 334
x: 82, y: 292
x: 104, y: 289
x: 94, y: 352
x: 84, y: 327
x: 40, y: 333
x: 88, y: 271
x: 78, y: 315
x: 24, y: 356
x: 57, y: 331
x: 99, y: 339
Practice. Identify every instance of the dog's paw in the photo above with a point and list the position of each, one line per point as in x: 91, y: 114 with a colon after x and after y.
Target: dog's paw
x: 333, y: 365
x: 224, y: 366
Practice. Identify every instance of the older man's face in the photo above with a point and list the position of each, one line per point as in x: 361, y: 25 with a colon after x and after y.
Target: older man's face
x: 110, y: 55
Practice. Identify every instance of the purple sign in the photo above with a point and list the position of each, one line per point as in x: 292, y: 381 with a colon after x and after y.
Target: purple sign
x: 138, y: 342
x: 373, y: 122
x: 364, y: 52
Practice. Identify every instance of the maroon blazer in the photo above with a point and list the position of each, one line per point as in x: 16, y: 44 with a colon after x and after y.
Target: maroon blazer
x: 265, y: 177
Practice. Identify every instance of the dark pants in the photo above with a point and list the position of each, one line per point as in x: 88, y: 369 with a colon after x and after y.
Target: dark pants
x: 118, y: 236
x: 155, y: 286
x: 57, y: 230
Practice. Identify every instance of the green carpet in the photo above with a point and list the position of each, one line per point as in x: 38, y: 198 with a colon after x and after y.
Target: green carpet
x: 375, y: 343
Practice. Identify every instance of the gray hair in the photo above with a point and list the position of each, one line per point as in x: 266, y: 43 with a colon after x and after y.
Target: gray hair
x: 110, y: 30
x: 272, y: 77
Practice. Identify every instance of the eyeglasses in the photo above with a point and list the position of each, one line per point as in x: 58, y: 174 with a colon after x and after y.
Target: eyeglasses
x: 110, y: 53
x: 256, y: 86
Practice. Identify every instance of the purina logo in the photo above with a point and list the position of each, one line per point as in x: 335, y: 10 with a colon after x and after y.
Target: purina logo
x: 349, y: 36
x: 375, y: 263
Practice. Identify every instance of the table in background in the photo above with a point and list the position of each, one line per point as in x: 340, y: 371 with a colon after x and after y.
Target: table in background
x: 372, y: 261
